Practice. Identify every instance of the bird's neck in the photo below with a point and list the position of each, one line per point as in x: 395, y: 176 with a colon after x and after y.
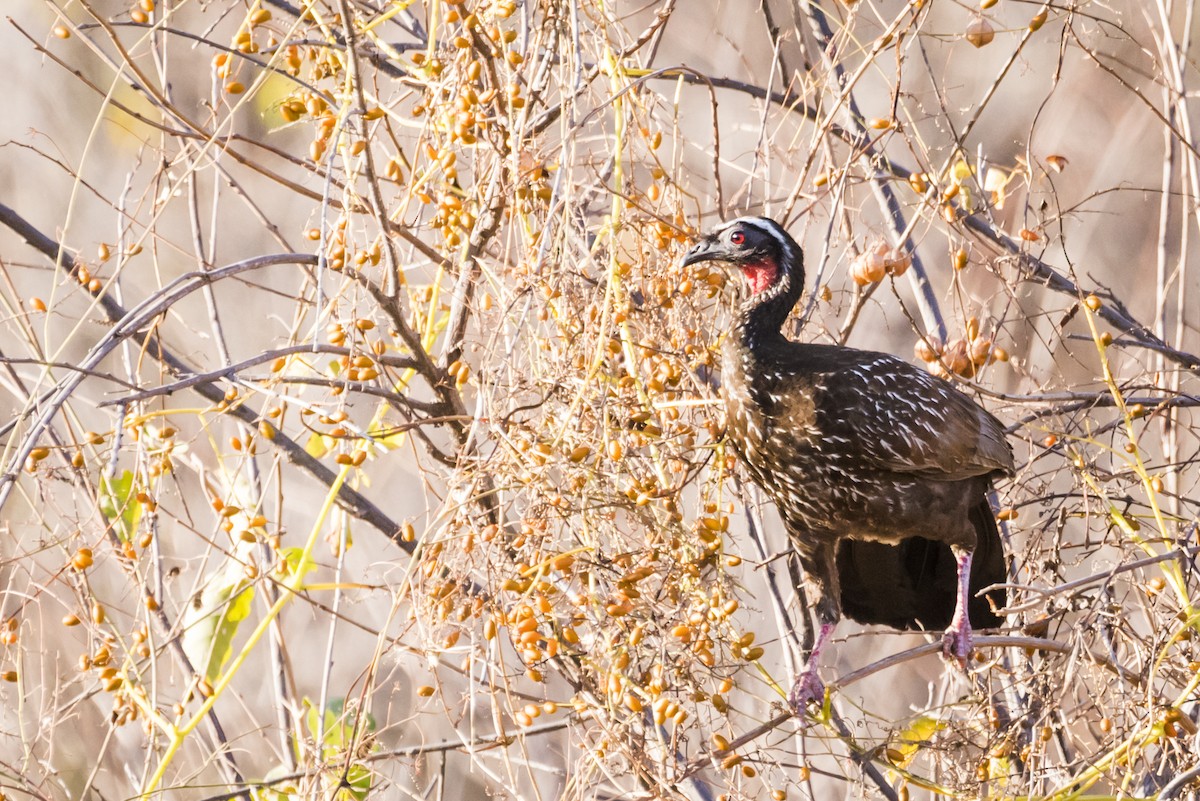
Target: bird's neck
x: 761, y: 317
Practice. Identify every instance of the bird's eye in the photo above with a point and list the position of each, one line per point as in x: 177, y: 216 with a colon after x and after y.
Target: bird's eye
x: 737, y: 237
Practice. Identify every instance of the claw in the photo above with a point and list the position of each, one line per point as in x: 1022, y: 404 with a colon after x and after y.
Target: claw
x: 808, y: 688
x: 956, y: 642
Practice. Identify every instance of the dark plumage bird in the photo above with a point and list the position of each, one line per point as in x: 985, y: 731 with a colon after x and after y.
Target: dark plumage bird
x: 879, y: 470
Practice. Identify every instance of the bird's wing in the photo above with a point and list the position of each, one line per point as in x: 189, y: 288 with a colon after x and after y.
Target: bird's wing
x: 908, y: 420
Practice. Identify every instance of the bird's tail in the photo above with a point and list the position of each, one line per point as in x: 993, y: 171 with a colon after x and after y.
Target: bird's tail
x: 913, y: 584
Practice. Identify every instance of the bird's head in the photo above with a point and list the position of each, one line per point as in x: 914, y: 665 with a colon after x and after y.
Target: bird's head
x: 768, y: 257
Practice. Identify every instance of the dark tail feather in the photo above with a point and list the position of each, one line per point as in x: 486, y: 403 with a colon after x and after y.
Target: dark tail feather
x: 912, y: 585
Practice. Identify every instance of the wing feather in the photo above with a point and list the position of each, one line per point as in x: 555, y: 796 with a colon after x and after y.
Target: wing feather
x: 911, y: 421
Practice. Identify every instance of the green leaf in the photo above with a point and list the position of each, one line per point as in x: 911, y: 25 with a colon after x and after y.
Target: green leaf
x: 961, y: 170
x: 339, y: 724
x: 271, y: 93
x: 392, y: 441
x: 208, y: 636
x: 291, y: 557
x: 316, y: 447
x: 1122, y: 521
x: 358, y: 777
x: 277, y: 789
x: 338, y: 735
x: 118, y: 505
x: 909, y: 741
x: 999, y: 769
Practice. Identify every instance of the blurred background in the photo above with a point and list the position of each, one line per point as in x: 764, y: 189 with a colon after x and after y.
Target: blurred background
x: 362, y: 433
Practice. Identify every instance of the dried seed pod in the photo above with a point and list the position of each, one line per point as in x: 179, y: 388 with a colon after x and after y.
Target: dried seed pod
x: 82, y: 559
x: 871, y: 265
x: 972, y: 327
x: 981, y: 351
x: 928, y: 349
x: 979, y: 32
x: 956, y: 360
x: 682, y: 632
x: 899, y: 262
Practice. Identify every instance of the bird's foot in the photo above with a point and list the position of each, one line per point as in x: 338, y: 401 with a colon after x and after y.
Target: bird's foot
x: 956, y: 642
x: 808, y: 688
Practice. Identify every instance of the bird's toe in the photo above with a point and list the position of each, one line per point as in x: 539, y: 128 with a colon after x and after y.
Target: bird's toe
x: 956, y: 643
x: 807, y: 689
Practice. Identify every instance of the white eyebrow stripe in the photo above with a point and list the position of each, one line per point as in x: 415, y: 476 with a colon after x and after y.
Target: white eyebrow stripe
x: 768, y: 227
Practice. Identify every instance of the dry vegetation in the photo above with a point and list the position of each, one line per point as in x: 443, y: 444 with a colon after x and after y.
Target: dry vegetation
x: 362, y: 436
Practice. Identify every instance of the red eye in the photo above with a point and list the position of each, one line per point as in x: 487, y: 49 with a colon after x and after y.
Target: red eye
x: 737, y: 237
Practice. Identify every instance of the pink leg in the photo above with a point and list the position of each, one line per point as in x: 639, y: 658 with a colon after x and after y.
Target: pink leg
x: 956, y: 642
x: 808, y: 686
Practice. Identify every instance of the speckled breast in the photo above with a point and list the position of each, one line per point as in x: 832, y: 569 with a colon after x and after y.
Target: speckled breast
x: 816, y: 479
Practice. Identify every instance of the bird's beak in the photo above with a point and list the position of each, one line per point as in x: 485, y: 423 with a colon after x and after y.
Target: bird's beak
x: 704, y: 250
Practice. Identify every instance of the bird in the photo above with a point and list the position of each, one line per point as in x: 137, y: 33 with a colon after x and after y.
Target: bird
x: 880, y: 471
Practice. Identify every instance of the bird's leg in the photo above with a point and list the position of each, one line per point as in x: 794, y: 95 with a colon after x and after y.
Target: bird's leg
x: 824, y: 593
x: 956, y: 642
x: 808, y: 685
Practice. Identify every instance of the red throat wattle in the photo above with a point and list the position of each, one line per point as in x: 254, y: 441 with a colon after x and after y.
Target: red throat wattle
x: 760, y: 275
